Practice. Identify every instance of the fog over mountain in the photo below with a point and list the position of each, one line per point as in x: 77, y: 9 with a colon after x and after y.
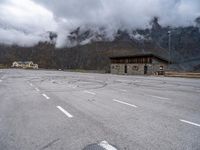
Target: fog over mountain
x: 26, y: 22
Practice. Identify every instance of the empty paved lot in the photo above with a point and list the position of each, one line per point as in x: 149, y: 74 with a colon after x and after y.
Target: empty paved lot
x: 55, y: 110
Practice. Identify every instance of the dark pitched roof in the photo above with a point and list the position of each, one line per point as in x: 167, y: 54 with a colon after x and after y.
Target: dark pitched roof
x: 141, y: 55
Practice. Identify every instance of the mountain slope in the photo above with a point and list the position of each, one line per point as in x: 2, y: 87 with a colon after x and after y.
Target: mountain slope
x: 91, y: 50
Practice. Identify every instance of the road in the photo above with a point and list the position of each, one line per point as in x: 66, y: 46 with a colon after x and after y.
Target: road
x: 57, y: 110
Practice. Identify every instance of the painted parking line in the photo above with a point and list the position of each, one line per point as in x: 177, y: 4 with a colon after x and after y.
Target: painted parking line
x: 89, y: 92
x: 123, y: 80
x: 30, y: 84
x: 72, y: 86
x: 105, y: 145
x: 37, y: 89
x: 165, y: 98
x: 45, y: 96
x: 65, y: 112
x: 159, y: 97
x: 123, y: 90
x: 125, y: 103
x: 189, y: 122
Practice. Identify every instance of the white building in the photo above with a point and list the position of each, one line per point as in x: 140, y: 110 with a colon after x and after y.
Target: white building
x: 24, y: 65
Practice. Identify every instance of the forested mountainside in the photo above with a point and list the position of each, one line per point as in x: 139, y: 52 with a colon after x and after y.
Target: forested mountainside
x: 92, y: 50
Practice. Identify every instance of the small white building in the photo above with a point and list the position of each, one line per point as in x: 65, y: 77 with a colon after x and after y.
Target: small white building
x: 24, y: 65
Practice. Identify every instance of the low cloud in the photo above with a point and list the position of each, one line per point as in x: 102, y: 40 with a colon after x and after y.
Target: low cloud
x: 30, y: 19
x: 14, y: 37
x: 24, y: 22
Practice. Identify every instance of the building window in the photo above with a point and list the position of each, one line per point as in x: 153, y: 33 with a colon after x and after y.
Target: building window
x: 136, y: 68
x: 161, y: 68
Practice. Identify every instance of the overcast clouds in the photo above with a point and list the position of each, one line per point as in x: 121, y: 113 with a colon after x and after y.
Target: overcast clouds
x: 24, y: 22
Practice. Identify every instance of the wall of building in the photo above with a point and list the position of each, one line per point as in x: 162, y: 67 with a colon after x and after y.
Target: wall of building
x: 157, y: 63
x: 117, y: 68
x: 138, y: 69
x: 25, y: 65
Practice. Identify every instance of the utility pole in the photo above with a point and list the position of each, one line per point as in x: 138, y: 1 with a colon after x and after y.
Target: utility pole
x: 169, y: 44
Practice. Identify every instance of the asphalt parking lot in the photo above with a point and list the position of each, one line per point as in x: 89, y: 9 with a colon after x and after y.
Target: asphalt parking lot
x: 57, y: 110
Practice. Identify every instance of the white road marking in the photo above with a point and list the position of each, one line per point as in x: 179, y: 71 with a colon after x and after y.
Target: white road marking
x: 89, y: 92
x: 188, y: 122
x: 164, y: 98
x: 161, y: 97
x: 72, y: 86
x: 30, y: 84
x: 37, y: 89
x: 125, y: 103
x: 45, y: 96
x: 106, y: 146
x: 0, y: 80
x: 123, y: 90
x: 123, y: 80
x: 65, y: 112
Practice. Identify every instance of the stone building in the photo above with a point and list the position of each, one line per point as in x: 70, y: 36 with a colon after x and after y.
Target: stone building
x: 144, y: 64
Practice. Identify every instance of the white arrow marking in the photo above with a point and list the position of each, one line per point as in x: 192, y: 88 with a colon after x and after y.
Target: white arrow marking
x: 106, y: 145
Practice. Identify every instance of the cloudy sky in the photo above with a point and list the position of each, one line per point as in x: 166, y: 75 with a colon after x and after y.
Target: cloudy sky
x: 25, y: 22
